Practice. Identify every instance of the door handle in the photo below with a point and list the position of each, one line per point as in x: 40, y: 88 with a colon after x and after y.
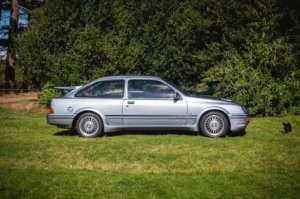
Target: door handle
x: 130, y: 102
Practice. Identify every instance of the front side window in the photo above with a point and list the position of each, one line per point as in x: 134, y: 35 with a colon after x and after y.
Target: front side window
x: 104, y: 89
x: 149, y: 89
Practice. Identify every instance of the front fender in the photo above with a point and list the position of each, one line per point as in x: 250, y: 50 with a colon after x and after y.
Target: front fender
x: 212, y: 108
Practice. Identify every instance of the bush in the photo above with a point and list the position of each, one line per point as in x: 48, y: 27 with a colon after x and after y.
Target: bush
x: 47, y: 93
x: 263, y: 80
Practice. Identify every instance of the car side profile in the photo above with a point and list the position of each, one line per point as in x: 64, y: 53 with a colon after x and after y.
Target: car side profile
x: 117, y: 103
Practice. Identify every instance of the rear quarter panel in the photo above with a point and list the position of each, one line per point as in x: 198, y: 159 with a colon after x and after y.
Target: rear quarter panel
x: 75, y: 106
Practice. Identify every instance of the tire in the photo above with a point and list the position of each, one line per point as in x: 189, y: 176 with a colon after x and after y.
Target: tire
x: 214, y: 124
x: 89, y: 125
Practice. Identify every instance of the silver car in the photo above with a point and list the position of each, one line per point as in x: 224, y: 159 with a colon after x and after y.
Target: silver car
x: 119, y: 103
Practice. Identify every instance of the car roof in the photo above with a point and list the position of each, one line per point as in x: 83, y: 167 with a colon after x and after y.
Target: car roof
x: 128, y: 77
x: 124, y: 77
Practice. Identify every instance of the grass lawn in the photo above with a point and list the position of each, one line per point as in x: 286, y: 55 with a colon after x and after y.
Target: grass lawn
x: 41, y: 161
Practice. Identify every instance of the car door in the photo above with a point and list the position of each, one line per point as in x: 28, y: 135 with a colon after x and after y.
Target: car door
x: 152, y: 102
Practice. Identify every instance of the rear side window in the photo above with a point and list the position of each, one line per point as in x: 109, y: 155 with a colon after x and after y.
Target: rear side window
x: 149, y: 89
x: 104, y: 89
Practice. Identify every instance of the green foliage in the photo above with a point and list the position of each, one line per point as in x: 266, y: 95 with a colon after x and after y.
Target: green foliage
x: 71, y: 42
x: 264, y: 79
x: 47, y: 93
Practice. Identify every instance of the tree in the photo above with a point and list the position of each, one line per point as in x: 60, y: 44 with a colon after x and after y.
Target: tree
x: 13, y: 30
x: 182, y: 41
x: 10, y: 80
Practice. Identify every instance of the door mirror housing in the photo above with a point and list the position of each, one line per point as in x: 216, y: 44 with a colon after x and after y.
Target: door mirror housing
x: 177, y: 97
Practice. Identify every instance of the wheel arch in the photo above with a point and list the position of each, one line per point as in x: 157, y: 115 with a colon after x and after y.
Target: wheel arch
x: 211, y: 109
x: 78, y: 113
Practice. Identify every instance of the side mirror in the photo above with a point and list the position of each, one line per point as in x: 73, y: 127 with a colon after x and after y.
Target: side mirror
x: 177, y: 97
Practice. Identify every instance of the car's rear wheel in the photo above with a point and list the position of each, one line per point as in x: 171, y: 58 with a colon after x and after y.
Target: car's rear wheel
x: 89, y: 125
x: 214, y: 124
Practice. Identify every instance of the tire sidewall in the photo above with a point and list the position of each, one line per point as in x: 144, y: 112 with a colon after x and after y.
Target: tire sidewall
x: 225, y: 120
x: 100, y: 124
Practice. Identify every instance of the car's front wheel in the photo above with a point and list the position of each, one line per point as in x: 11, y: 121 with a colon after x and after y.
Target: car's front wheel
x: 214, y: 124
x: 89, y: 125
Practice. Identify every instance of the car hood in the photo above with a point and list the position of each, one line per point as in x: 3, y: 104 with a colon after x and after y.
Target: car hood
x: 207, y: 98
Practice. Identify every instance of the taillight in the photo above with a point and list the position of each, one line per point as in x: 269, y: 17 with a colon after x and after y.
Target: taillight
x: 51, y: 110
x: 247, y: 119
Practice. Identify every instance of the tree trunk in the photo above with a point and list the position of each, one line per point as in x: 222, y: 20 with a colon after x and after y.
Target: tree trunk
x: 10, y: 80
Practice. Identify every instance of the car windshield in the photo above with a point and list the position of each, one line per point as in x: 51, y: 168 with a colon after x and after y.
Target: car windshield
x: 191, y: 93
x: 187, y: 92
x: 183, y: 91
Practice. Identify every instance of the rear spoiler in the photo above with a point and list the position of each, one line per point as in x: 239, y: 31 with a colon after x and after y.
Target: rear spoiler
x: 62, y: 89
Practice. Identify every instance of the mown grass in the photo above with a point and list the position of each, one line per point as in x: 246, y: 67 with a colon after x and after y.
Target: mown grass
x: 41, y: 161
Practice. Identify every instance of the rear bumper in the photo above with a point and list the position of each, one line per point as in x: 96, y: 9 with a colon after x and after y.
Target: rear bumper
x: 238, y: 122
x: 64, y: 121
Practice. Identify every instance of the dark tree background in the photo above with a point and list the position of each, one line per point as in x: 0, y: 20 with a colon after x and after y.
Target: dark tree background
x: 245, y: 50
x: 9, y: 32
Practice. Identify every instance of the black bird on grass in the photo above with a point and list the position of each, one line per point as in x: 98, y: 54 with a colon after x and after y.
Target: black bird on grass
x: 287, y: 127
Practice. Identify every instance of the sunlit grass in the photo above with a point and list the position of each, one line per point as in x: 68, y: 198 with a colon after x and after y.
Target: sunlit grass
x: 41, y: 161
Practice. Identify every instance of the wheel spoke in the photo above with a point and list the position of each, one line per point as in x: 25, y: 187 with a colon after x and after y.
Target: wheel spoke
x: 214, y: 125
x: 89, y: 126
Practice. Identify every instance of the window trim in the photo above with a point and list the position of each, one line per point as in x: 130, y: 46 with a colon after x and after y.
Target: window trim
x: 102, y: 81
x: 145, y: 98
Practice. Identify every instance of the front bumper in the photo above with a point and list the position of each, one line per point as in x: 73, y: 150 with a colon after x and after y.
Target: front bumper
x: 64, y: 121
x: 238, y: 122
